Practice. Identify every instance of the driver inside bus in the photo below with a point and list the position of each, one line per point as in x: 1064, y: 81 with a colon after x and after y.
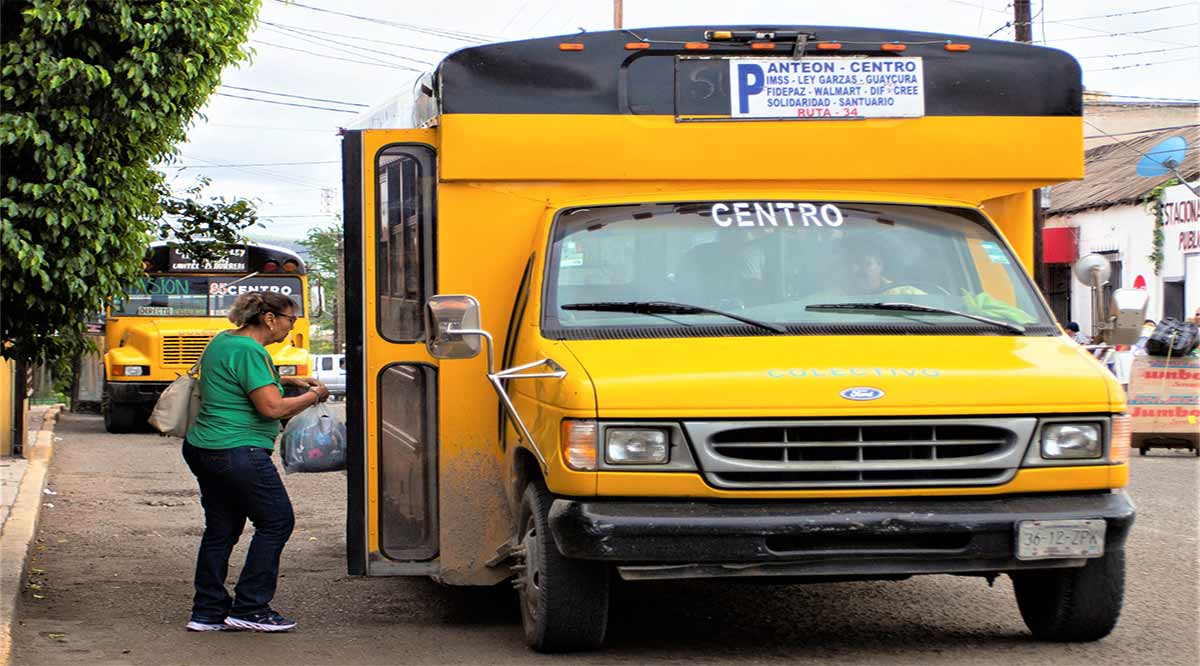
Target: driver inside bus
x: 868, y: 274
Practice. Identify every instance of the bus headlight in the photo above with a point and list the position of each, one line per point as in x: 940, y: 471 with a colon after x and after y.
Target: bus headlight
x: 636, y: 446
x: 131, y: 370
x: 1072, y: 440
x: 287, y: 371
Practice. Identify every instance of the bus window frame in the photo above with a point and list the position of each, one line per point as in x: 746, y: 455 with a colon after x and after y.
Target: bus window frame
x: 426, y: 235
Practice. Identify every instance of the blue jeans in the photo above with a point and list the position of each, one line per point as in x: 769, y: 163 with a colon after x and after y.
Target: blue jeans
x: 236, y: 484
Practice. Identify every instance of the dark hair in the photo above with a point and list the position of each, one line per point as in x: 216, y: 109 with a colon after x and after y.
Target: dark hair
x: 1072, y: 327
x: 252, y: 305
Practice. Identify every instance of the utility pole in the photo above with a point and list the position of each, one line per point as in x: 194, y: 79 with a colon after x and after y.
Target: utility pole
x: 617, y: 18
x: 1023, y: 27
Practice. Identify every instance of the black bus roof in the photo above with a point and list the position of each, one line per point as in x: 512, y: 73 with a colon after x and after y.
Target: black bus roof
x: 602, y: 76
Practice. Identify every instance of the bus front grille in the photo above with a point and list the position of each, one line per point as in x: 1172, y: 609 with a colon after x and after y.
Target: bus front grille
x: 183, y: 350
x: 881, y: 453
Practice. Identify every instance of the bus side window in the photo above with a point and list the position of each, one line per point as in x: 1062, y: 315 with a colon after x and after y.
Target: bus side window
x: 403, y: 245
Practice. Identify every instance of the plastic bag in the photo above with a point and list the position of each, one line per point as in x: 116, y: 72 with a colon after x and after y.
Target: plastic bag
x: 1173, y: 338
x: 314, y: 441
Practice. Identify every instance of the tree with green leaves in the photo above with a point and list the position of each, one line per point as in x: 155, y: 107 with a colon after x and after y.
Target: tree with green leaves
x: 95, y: 94
x: 324, y: 246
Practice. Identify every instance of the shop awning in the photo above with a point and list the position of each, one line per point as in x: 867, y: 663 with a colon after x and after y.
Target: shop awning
x: 1060, y: 245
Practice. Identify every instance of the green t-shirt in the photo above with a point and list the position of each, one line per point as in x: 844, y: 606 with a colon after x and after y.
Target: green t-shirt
x: 232, y: 367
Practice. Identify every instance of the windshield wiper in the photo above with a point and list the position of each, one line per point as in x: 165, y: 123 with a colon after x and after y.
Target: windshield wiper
x: 913, y: 307
x: 666, y: 307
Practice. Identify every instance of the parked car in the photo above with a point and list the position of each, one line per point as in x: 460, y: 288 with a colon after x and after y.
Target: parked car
x: 331, y: 370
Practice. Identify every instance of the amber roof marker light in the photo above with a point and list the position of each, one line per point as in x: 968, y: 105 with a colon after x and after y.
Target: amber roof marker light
x: 637, y: 46
x: 892, y: 46
x: 570, y: 46
x: 829, y: 46
x: 954, y: 46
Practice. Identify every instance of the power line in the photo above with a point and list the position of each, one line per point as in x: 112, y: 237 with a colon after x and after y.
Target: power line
x: 261, y: 164
x: 1144, y: 64
x: 973, y: 5
x: 992, y: 33
x: 297, y: 34
x: 437, y: 32
x: 280, y: 217
x: 1126, y: 34
x: 1118, y: 55
x: 311, y: 99
x: 322, y: 55
x: 274, y: 129
x: 269, y: 101
x: 294, y: 180
x: 1145, y: 131
x: 1140, y: 11
x: 355, y: 37
x: 309, y: 40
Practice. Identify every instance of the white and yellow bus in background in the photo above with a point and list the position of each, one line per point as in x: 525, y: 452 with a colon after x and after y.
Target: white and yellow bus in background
x: 163, y: 323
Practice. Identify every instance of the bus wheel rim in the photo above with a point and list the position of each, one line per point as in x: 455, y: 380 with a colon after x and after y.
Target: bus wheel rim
x: 532, y: 576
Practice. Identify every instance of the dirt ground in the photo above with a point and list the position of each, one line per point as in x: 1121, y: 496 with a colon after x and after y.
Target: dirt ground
x: 110, y: 583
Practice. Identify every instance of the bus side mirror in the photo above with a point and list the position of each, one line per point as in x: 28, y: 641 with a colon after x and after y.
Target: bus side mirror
x: 316, y: 300
x: 452, y: 327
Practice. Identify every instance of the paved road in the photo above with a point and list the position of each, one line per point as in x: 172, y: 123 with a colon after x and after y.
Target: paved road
x: 115, y: 551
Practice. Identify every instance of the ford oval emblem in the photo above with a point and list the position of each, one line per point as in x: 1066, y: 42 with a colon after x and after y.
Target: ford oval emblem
x: 862, y: 393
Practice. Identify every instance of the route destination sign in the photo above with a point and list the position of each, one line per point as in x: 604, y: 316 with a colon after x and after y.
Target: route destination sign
x: 826, y: 88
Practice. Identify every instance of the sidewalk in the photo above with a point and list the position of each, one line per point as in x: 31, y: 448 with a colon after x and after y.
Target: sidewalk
x: 21, y: 483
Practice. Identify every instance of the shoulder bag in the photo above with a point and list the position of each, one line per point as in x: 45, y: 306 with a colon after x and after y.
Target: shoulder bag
x: 179, y: 404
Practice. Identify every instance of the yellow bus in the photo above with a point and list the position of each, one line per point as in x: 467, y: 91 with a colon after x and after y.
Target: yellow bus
x: 162, y: 324
x: 720, y: 303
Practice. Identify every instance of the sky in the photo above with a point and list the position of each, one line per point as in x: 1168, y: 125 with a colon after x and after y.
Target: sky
x: 344, y: 56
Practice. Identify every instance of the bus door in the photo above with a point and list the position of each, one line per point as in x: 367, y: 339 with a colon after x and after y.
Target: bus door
x: 389, y: 183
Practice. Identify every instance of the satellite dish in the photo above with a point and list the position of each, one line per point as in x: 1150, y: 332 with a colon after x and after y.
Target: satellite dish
x: 1162, y: 158
x: 1092, y: 267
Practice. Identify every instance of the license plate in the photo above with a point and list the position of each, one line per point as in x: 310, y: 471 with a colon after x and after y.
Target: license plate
x: 1060, y: 539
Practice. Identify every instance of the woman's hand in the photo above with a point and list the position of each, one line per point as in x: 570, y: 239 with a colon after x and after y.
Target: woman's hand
x: 320, y: 389
x: 270, y: 404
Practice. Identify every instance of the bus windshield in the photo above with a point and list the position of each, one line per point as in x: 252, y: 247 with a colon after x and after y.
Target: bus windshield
x: 195, y: 296
x: 812, y: 265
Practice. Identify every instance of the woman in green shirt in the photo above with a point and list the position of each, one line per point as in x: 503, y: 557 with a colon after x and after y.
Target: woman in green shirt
x: 228, y: 449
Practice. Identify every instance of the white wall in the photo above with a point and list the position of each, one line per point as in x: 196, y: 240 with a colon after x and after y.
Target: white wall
x: 1128, y: 230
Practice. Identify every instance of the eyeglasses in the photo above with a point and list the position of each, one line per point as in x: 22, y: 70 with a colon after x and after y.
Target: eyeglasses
x: 291, y: 318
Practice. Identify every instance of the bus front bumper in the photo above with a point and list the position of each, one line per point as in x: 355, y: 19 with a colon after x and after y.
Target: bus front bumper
x: 849, y: 538
x: 143, y: 394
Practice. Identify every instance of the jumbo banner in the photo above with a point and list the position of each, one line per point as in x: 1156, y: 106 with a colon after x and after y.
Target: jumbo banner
x: 1164, y: 395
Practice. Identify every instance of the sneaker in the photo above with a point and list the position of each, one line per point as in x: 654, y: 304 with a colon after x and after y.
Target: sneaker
x: 267, y: 620
x: 202, y: 625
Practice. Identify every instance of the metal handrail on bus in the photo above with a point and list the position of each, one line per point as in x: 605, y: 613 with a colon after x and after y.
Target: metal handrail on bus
x: 496, y: 377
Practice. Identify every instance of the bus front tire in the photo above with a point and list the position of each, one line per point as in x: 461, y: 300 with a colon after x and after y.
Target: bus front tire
x: 119, y: 419
x: 564, y: 602
x: 1073, y: 605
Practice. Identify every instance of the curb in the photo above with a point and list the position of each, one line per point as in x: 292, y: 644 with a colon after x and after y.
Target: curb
x: 21, y: 527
